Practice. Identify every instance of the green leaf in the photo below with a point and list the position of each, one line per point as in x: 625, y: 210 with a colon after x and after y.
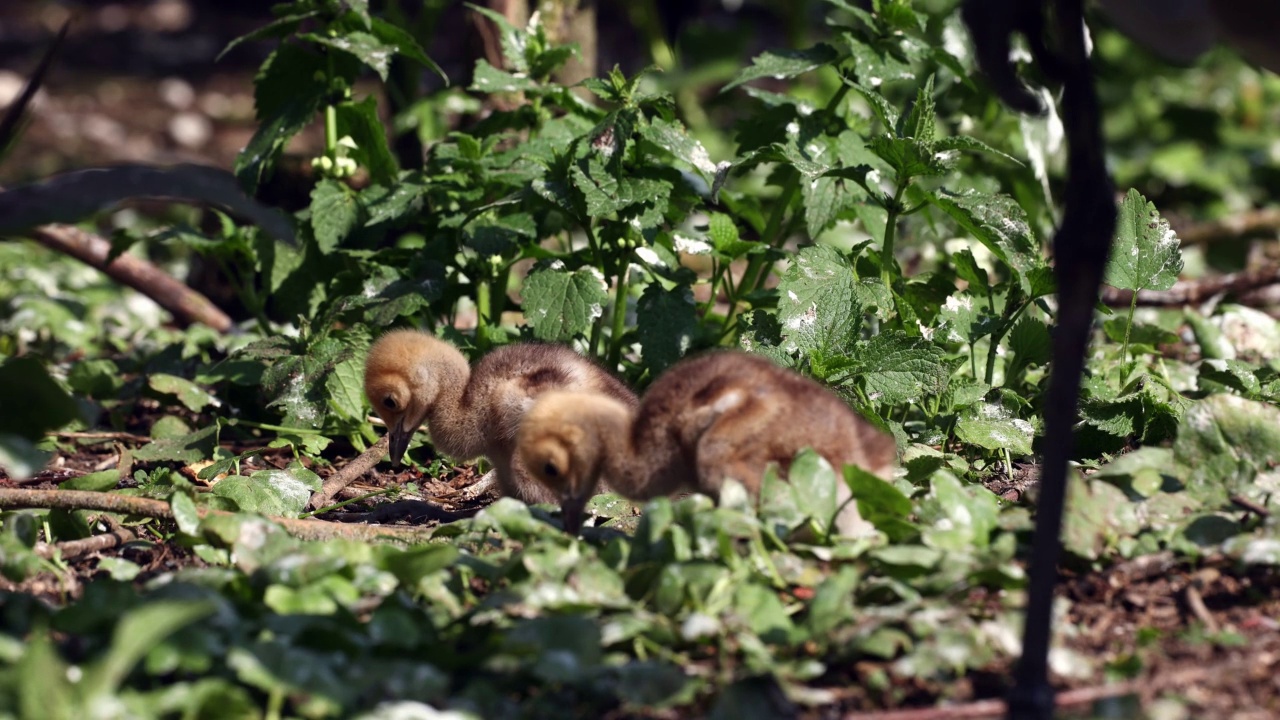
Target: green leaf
x: 783, y: 64
x: 334, y: 213
x: 1030, y: 342
x: 489, y: 79
x: 345, y: 386
x: 1238, y: 376
x: 999, y: 223
x: 1226, y: 440
x: 287, y: 96
x: 724, y: 237
x: 135, y: 635
x: 360, y: 121
x: 813, y: 483
x: 957, y: 517
x: 994, y: 426
x: 896, y: 368
x: 405, y: 45
x: 365, y: 47
x: 964, y: 142
x: 671, y: 135
x: 19, y: 456
x: 96, y: 482
x: 965, y: 319
x: 184, y: 513
x: 186, y: 449
x: 887, y: 113
x: 559, y: 304
x: 920, y: 121
x: 192, y: 396
x: 1146, y: 254
x: 666, y: 321
x: 817, y: 303
x: 271, y: 492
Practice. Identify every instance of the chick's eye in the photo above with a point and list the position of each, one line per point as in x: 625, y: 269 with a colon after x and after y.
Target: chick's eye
x: 550, y: 470
x: 389, y: 403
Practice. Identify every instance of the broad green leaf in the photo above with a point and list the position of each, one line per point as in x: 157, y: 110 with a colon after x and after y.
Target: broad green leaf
x: 334, y: 214
x: 999, y: 223
x: 184, y: 513
x: 1030, y: 342
x: 957, y: 517
x: 96, y: 482
x: 1146, y: 254
x: 671, y: 135
x: 813, y: 481
x: 964, y: 318
x: 920, y: 121
x: 271, y: 492
x: 345, y: 386
x: 1098, y: 516
x: 559, y: 304
x: 1226, y: 440
x: 365, y: 47
x: 187, y: 449
x: 1234, y: 374
x: 19, y: 456
x: 666, y: 321
x: 896, y: 368
x: 724, y: 237
x: 817, y: 303
x: 194, y: 397
x: 360, y: 121
x: 136, y: 634
x: 287, y: 96
x: 964, y: 142
x: 489, y: 79
x: 405, y: 45
x: 783, y: 64
x: 994, y: 426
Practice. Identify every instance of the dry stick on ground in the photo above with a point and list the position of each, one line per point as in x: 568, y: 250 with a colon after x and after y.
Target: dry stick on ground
x: 186, y: 305
x: 1193, y: 292
x: 146, y: 507
x: 103, y: 435
x: 114, y: 537
x: 1232, y: 228
x: 347, y: 475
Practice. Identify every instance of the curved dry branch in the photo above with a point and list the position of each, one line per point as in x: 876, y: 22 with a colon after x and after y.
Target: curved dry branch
x: 347, y: 475
x: 186, y: 305
x: 11, y: 499
x: 1194, y: 292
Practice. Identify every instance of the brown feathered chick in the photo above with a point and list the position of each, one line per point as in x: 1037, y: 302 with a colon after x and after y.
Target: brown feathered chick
x: 412, y: 377
x: 720, y: 415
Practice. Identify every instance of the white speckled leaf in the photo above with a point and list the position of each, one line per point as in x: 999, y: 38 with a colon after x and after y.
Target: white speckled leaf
x: 1147, y: 253
x: 559, y: 304
x: 994, y: 427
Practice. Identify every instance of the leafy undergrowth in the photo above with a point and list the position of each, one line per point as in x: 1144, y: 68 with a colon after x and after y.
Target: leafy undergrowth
x: 855, y: 231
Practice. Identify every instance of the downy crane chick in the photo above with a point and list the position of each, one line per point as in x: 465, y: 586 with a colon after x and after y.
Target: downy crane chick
x: 719, y: 415
x: 411, y: 377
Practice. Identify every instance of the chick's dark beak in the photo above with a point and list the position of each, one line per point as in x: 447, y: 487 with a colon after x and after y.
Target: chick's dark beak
x: 398, y: 442
x: 572, y: 511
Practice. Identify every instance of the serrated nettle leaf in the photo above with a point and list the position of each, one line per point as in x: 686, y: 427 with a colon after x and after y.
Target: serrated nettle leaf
x: 964, y: 318
x: 995, y: 427
x: 666, y: 321
x: 405, y: 45
x: 672, y: 136
x: 1000, y: 224
x: 334, y: 213
x: 384, y: 204
x: 783, y: 64
x: 502, y: 235
x: 1239, y: 376
x: 365, y: 47
x: 966, y: 143
x: 186, y: 449
x: 895, y: 368
x: 919, y: 122
x: 559, y: 304
x: 1146, y: 254
x: 724, y: 237
x: 887, y: 113
x: 817, y: 303
x: 287, y: 96
x: 967, y: 269
x: 345, y: 385
x: 911, y: 158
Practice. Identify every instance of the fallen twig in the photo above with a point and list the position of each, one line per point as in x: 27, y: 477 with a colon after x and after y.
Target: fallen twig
x: 1232, y: 227
x: 347, y: 475
x: 1193, y: 292
x: 11, y: 499
x: 186, y: 305
x: 102, y: 435
x: 1249, y: 505
x: 114, y: 537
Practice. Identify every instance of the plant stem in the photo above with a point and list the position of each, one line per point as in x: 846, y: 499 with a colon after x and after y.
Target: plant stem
x: 268, y: 426
x: 482, y: 312
x: 1124, y: 350
x: 330, y: 118
x: 619, y: 313
x: 888, y: 265
x: 997, y: 336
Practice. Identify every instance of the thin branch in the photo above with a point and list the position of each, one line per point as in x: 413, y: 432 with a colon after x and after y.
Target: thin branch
x: 1234, y: 227
x: 1249, y: 505
x: 146, y: 507
x: 186, y: 305
x: 347, y: 475
x: 1193, y: 292
x: 114, y: 537
x: 412, y: 510
x: 102, y: 435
